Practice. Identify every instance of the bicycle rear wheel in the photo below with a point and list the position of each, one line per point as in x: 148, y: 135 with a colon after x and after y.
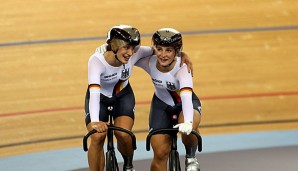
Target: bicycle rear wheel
x: 174, y: 161
x: 111, y: 161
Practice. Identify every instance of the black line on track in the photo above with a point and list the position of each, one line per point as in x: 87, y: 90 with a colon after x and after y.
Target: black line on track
x: 212, y: 31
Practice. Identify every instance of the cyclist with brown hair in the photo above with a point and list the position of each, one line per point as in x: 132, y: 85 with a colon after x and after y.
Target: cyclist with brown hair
x: 173, y: 95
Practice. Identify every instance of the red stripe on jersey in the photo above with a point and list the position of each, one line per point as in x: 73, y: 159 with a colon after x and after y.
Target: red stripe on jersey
x: 175, y: 95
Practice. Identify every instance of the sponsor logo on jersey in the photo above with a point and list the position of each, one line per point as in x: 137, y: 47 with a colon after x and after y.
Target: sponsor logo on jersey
x: 157, y: 81
x: 108, y: 76
x: 200, y: 109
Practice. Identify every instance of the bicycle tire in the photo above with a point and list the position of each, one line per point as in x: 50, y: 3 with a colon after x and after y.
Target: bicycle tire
x: 111, y: 161
x: 174, y: 161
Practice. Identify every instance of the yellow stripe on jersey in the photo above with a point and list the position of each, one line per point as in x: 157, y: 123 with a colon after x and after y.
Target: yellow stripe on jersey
x: 119, y: 86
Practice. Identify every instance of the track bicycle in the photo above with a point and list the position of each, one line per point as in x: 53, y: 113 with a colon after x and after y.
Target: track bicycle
x: 111, y: 160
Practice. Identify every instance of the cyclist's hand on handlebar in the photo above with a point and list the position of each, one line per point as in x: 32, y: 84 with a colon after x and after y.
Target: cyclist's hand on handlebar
x: 185, y: 127
x: 100, y: 126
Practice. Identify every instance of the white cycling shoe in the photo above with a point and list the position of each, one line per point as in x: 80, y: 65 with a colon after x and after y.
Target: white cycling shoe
x: 192, y: 164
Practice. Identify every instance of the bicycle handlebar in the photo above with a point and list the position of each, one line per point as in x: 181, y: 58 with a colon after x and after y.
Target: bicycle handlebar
x: 111, y: 127
x: 171, y: 131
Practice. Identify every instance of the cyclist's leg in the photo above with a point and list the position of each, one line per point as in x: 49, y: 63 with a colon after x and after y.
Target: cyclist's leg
x: 191, y: 143
x: 124, y: 141
x: 96, y: 158
x: 161, y: 145
x: 124, y: 117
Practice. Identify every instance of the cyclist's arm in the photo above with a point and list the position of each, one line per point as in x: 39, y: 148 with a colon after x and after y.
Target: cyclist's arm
x: 142, y: 52
x: 95, y: 68
x: 144, y: 64
x: 186, y: 85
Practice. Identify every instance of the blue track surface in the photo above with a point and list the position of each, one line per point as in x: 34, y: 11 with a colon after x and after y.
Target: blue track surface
x: 76, y: 158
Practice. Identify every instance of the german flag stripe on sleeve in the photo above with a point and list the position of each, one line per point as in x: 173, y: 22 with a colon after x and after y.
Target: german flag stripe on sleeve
x: 186, y: 89
x: 94, y: 86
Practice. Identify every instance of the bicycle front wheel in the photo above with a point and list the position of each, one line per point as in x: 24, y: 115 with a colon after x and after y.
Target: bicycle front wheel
x: 111, y: 161
x: 174, y: 161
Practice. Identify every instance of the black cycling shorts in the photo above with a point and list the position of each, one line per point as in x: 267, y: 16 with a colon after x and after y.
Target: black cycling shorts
x: 159, y: 118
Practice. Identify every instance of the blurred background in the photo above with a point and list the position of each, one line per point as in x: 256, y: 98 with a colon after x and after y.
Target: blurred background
x: 244, y: 55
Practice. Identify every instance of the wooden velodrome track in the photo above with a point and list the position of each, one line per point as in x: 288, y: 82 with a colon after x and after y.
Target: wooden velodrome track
x: 244, y: 55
